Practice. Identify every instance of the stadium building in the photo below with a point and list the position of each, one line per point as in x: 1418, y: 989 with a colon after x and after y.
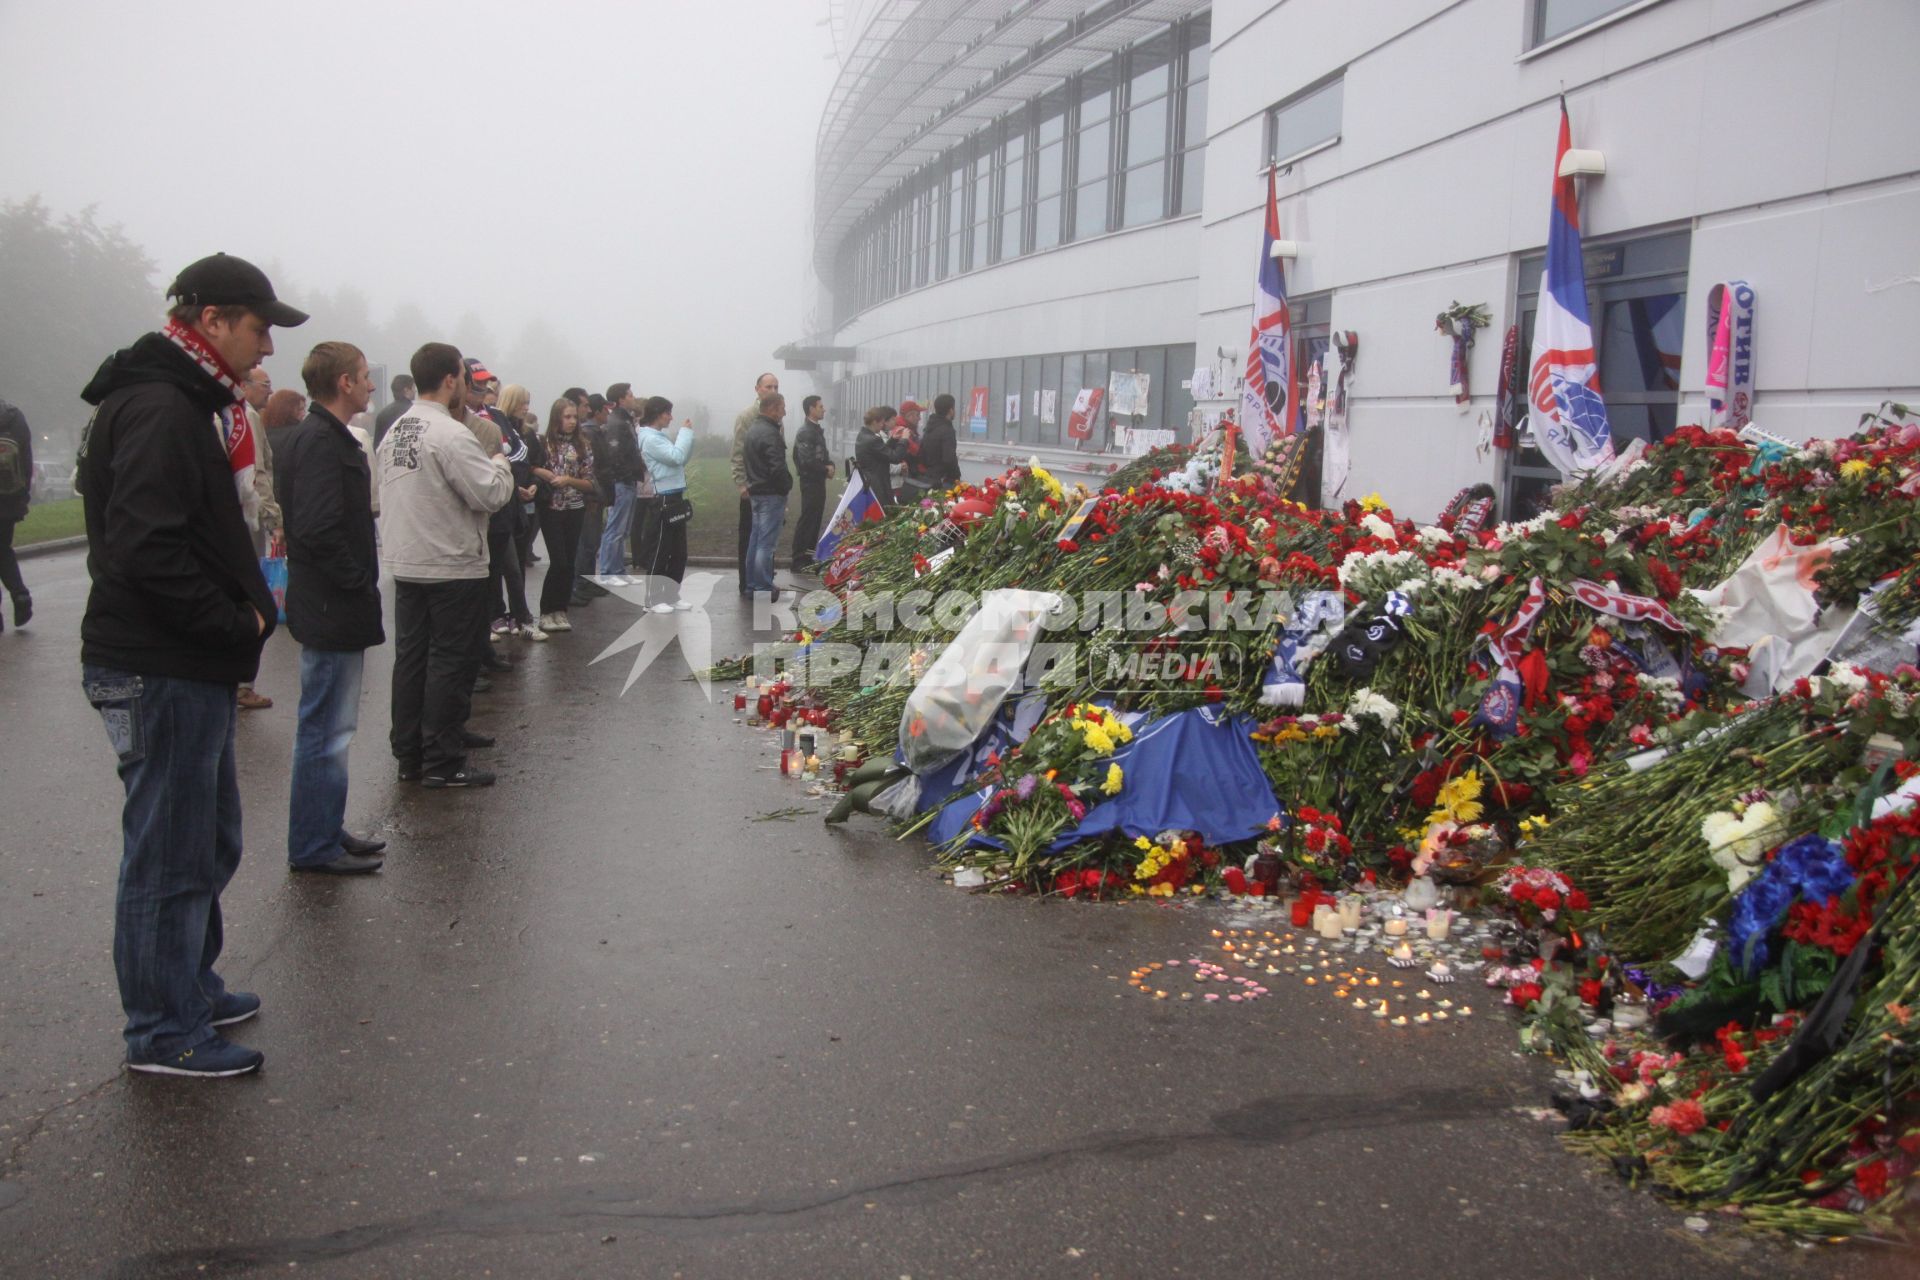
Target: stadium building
x: 1036, y: 198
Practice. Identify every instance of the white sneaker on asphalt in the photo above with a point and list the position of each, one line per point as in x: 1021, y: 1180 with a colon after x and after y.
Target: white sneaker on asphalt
x: 532, y: 632
x: 682, y: 606
x: 662, y: 607
x: 559, y: 623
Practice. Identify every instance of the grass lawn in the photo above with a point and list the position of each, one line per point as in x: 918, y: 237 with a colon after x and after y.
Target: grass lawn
x: 714, y: 529
x: 49, y: 520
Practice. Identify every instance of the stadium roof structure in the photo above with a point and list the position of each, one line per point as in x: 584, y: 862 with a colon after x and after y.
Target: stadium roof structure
x: 922, y: 75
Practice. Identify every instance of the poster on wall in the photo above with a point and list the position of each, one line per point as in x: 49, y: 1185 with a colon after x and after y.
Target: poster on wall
x: 1013, y: 408
x: 977, y: 411
x: 1086, y: 407
x: 1127, y: 393
x: 1201, y: 384
x: 1049, y: 402
x: 1137, y: 441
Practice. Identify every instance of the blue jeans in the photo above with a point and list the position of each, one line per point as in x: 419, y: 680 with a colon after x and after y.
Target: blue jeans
x: 180, y: 831
x: 329, y: 713
x: 613, y: 537
x: 769, y: 513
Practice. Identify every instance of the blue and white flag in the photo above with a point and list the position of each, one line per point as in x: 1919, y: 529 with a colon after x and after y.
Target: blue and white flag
x: 1564, y: 408
x: 1267, y: 395
x: 857, y: 504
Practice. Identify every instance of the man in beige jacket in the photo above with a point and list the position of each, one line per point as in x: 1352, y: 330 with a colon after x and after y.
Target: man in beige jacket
x: 438, y: 486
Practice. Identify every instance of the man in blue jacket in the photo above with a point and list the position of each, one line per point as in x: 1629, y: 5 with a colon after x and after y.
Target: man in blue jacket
x: 174, y: 623
x: 322, y: 479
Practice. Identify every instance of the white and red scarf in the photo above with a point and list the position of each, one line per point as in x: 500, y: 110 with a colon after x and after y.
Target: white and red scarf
x: 233, y: 423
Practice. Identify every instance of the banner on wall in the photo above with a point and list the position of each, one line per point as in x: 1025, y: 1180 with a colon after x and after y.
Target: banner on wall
x: 1730, y: 354
x: 1049, y: 406
x: 1013, y: 408
x: 1127, y: 393
x: 1086, y: 408
x: 977, y: 411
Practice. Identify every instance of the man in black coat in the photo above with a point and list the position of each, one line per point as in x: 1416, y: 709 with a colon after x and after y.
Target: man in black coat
x: 16, y: 492
x: 322, y: 480
x: 875, y: 451
x: 175, y: 620
x: 939, y: 447
x: 812, y: 465
x: 763, y: 456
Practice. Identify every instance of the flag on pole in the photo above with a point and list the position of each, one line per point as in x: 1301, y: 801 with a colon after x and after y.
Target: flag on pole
x: 1564, y: 408
x: 1267, y: 398
x: 858, y: 503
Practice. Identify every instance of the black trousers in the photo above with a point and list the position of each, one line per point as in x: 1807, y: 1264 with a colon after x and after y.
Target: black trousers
x: 806, y: 533
x: 746, y: 536
x: 645, y: 534
x: 434, y: 663
x: 561, y: 529
x: 504, y: 569
x: 669, y: 549
x: 10, y: 563
x: 586, y: 554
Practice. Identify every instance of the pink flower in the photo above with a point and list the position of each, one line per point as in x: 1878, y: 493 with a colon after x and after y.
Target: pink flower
x: 1578, y: 764
x: 1682, y: 1118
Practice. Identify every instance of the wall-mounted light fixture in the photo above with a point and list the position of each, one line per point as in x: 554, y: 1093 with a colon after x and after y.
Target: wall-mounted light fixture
x: 1582, y: 164
x: 1287, y: 249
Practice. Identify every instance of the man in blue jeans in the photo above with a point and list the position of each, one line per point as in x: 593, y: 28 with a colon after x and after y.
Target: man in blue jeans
x: 620, y: 464
x: 323, y: 481
x: 174, y: 623
x: 768, y: 482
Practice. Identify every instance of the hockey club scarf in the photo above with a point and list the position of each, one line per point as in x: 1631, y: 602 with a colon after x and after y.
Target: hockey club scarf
x: 233, y: 423
x: 1512, y: 406
x: 1730, y: 355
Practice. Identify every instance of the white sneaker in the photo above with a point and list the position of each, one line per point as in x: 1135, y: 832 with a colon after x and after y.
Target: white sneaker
x: 532, y: 631
x: 559, y: 623
x: 682, y: 606
x: 662, y: 607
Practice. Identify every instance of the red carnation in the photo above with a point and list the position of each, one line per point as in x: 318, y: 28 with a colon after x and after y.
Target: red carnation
x: 1590, y: 991
x: 1524, y: 994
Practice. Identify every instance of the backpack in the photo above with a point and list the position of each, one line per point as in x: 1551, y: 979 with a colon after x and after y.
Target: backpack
x: 13, y: 468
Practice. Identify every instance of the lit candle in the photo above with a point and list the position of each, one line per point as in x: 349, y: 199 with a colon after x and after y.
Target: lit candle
x: 1396, y: 928
x: 1350, y: 911
x: 1329, y: 923
x: 812, y: 769
x: 1439, y: 921
x: 1380, y: 1010
x: 739, y: 700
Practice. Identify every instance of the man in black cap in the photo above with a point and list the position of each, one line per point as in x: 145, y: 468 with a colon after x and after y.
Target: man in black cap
x: 174, y: 623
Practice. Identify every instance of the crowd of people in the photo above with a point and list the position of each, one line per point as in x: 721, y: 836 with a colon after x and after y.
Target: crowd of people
x: 451, y: 491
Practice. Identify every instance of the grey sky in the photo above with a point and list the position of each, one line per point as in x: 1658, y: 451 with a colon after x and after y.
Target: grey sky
x: 634, y: 173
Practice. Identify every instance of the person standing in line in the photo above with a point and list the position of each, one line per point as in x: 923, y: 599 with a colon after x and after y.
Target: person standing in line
x: 16, y: 495
x: 568, y: 475
x: 499, y: 526
x: 940, y: 447
x: 878, y: 447
x: 507, y: 610
x: 514, y: 405
x: 768, y: 484
x: 913, y: 480
x: 403, y: 393
x: 263, y: 514
x: 438, y: 488
x: 333, y: 605
x: 813, y: 465
x: 175, y: 620
x: 765, y: 385
x: 666, y: 458
x: 619, y: 468
x: 593, y: 413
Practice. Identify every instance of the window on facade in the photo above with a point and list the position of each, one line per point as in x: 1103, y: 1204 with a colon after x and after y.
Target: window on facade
x: 955, y: 226
x: 1093, y: 152
x: 1149, y: 90
x: 982, y: 234
x: 1062, y: 404
x: 1636, y: 299
x: 1191, y: 163
x: 1011, y: 160
x: 1551, y: 19
x: 1049, y: 171
x: 1306, y: 120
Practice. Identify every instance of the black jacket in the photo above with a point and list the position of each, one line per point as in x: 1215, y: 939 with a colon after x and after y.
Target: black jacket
x: 321, y: 479
x: 873, y: 454
x: 387, y: 417
x: 175, y: 580
x: 622, y: 456
x: 765, y: 456
x: 810, y: 459
x: 939, y: 454
x: 13, y: 426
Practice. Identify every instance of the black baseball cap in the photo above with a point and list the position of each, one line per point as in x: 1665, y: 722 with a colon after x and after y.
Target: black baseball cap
x: 226, y: 281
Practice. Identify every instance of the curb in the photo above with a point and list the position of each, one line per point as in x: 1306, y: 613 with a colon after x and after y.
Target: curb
x: 52, y: 547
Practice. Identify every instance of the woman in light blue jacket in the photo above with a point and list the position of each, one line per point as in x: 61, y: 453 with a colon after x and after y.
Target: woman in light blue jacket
x: 666, y: 457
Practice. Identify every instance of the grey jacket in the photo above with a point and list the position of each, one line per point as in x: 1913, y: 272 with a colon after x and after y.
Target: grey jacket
x: 437, y: 489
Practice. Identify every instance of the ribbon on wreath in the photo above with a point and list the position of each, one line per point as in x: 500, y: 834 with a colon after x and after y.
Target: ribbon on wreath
x: 1499, y: 711
x: 1628, y: 608
x: 1285, y: 684
x: 1511, y: 406
x: 1730, y: 355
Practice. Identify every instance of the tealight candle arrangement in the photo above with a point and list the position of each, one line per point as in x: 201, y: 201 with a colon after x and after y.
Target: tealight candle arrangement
x: 1350, y: 907
x: 1439, y: 923
x: 1395, y: 927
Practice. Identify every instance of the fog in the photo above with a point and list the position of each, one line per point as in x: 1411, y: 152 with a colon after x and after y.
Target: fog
x: 576, y: 191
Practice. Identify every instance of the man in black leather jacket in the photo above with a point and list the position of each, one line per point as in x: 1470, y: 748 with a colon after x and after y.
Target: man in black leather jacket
x: 812, y: 465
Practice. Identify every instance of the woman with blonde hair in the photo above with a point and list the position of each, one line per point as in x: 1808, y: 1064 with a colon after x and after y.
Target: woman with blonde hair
x: 514, y: 404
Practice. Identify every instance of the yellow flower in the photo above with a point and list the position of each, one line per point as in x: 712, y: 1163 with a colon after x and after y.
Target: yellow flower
x: 1196, y: 888
x: 1459, y: 798
x: 1855, y: 467
x: 1141, y: 842
x: 1373, y: 502
x: 1292, y: 733
x: 1114, y: 776
x: 1137, y: 888
x: 1161, y: 891
x: 1098, y: 740
x: 1327, y: 731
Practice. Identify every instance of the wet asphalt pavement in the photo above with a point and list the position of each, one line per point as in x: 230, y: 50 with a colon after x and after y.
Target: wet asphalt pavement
x: 608, y: 1018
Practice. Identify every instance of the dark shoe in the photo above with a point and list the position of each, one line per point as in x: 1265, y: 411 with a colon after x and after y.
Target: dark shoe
x: 409, y: 773
x: 461, y: 777
x: 22, y: 609
x: 234, y: 1006
x: 579, y: 600
x: 350, y: 843
x: 591, y: 589
x: 474, y: 741
x: 494, y: 662
x: 209, y: 1060
x: 482, y: 685
x: 347, y: 864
